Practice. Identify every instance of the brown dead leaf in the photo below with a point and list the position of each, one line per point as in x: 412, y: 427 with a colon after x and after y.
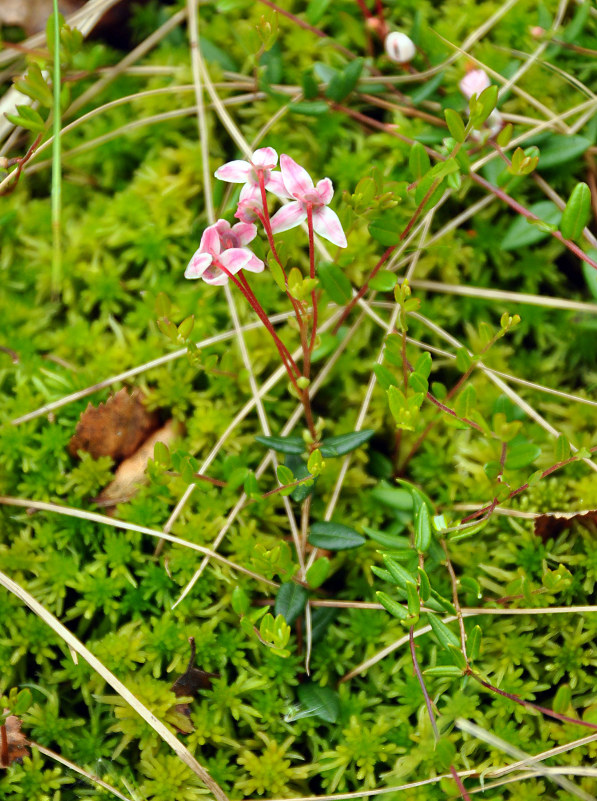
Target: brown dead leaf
x: 32, y: 15
x: 192, y: 680
x: 115, y: 428
x: 13, y: 743
x: 132, y: 471
x: 548, y: 526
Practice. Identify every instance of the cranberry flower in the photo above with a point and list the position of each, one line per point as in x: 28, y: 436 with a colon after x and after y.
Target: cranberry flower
x: 474, y: 82
x: 247, y: 172
x: 221, y: 251
x: 399, y: 47
x: 300, y: 186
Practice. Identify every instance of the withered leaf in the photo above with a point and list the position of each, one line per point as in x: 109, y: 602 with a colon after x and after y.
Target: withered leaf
x: 548, y: 526
x: 131, y: 472
x: 32, y: 15
x: 13, y: 743
x: 192, y: 680
x: 115, y: 428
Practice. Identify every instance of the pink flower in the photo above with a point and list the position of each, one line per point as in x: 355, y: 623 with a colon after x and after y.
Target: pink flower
x: 300, y: 186
x: 247, y: 172
x: 474, y: 82
x: 221, y: 247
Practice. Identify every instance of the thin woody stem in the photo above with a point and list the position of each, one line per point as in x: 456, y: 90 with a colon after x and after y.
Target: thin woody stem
x: 352, y: 303
x: 421, y: 680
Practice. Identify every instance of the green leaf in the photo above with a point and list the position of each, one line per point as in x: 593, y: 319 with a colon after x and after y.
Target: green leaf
x: 463, y: 360
x: 161, y: 454
x: 414, y: 602
x: 392, y: 606
x: 216, y: 55
x: 294, y: 445
x: 299, y: 468
x: 284, y: 474
x: 277, y: 274
x: 561, y: 148
x: 334, y: 536
x: 290, y: 601
x: 395, y: 497
x: 455, y: 124
x: 322, y: 702
x: 318, y: 572
x: 562, y: 449
x: 590, y: 273
x: 384, y: 230
x: 473, y: 642
x: 422, y: 524
x: 345, y: 443
x: 418, y: 161
x: 450, y: 671
x: 577, y: 212
x: 387, y: 540
x: 401, y: 577
x: 250, y: 486
x: 27, y: 118
x: 383, y: 281
x: 311, y: 108
x: 334, y: 282
x: 521, y: 453
x: 521, y: 233
x: 342, y: 83
x: 442, y: 632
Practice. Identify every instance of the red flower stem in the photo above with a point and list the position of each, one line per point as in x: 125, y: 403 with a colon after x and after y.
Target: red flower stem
x: 366, y: 13
x: 289, y: 362
x: 302, y: 24
x: 265, y: 219
x: 307, y: 355
x: 287, y: 359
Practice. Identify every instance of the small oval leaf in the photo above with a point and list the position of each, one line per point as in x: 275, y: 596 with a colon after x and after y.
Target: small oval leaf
x: 334, y: 536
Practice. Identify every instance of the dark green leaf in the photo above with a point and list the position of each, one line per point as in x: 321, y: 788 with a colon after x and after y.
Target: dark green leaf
x: 577, y: 212
x: 561, y: 148
x: 387, y: 540
x: 334, y: 536
x: 293, y: 445
x: 290, y: 601
x: 322, y: 701
x: 521, y: 233
x: 345, y: 443
x: 422, y: 524
x: 455, y: 124
x: 442, y: 632
x: 392, y: 606
x: 311, y: 108
x: 418, y: 161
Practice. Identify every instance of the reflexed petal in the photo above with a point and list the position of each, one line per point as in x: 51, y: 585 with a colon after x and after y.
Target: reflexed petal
x: 276, y: 186
x: 245, y: 211
x: 265, y: 158
x: 235, y: 172
x: 250, y: 192
x: 296, y: 179
x: 244, y: 232
x: 325, y: 190
x: 210, y: 241
x: 198, y: 265
x: 254, y: 265
x: 234, y: 259
x: 288, y: 217
x: 215, y: 277
x: 327, y: 225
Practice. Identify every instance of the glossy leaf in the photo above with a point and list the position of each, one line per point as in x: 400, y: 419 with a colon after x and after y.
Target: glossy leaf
x: 290, y: 601
x: 334, y: 536
x: 323, y: 702
x: 334, y: 282
x: 294, y: 445
x: 577, y: 212
x: 345, y: 443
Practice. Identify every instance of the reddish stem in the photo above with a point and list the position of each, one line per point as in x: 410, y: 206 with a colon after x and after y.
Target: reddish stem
x: 419, y: 675
x: 459, y: 784
x: 3, y: 747
x: 313, y: 295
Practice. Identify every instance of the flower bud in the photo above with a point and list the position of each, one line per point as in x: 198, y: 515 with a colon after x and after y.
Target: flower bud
x: 399, y: 47
x: 474, y: 82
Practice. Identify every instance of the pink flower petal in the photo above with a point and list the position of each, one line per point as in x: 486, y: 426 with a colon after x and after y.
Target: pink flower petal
x: 254, y: 265
x: 250, y: 192
x: 327, y: 225
x: 244, y: 233
x: 199, y: 263
x: 222, y: 227
x: 288, y: 217
x: 325, y: 190
x: 276, y: 186
x: 210, y: 241
x: 296, y: 179
x: 234, y: 259
x: 235, y: 172
x: 265, y: 158
x: 215, y: 277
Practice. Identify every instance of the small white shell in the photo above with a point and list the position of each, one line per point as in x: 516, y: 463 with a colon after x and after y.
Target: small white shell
x: 399, y: 47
